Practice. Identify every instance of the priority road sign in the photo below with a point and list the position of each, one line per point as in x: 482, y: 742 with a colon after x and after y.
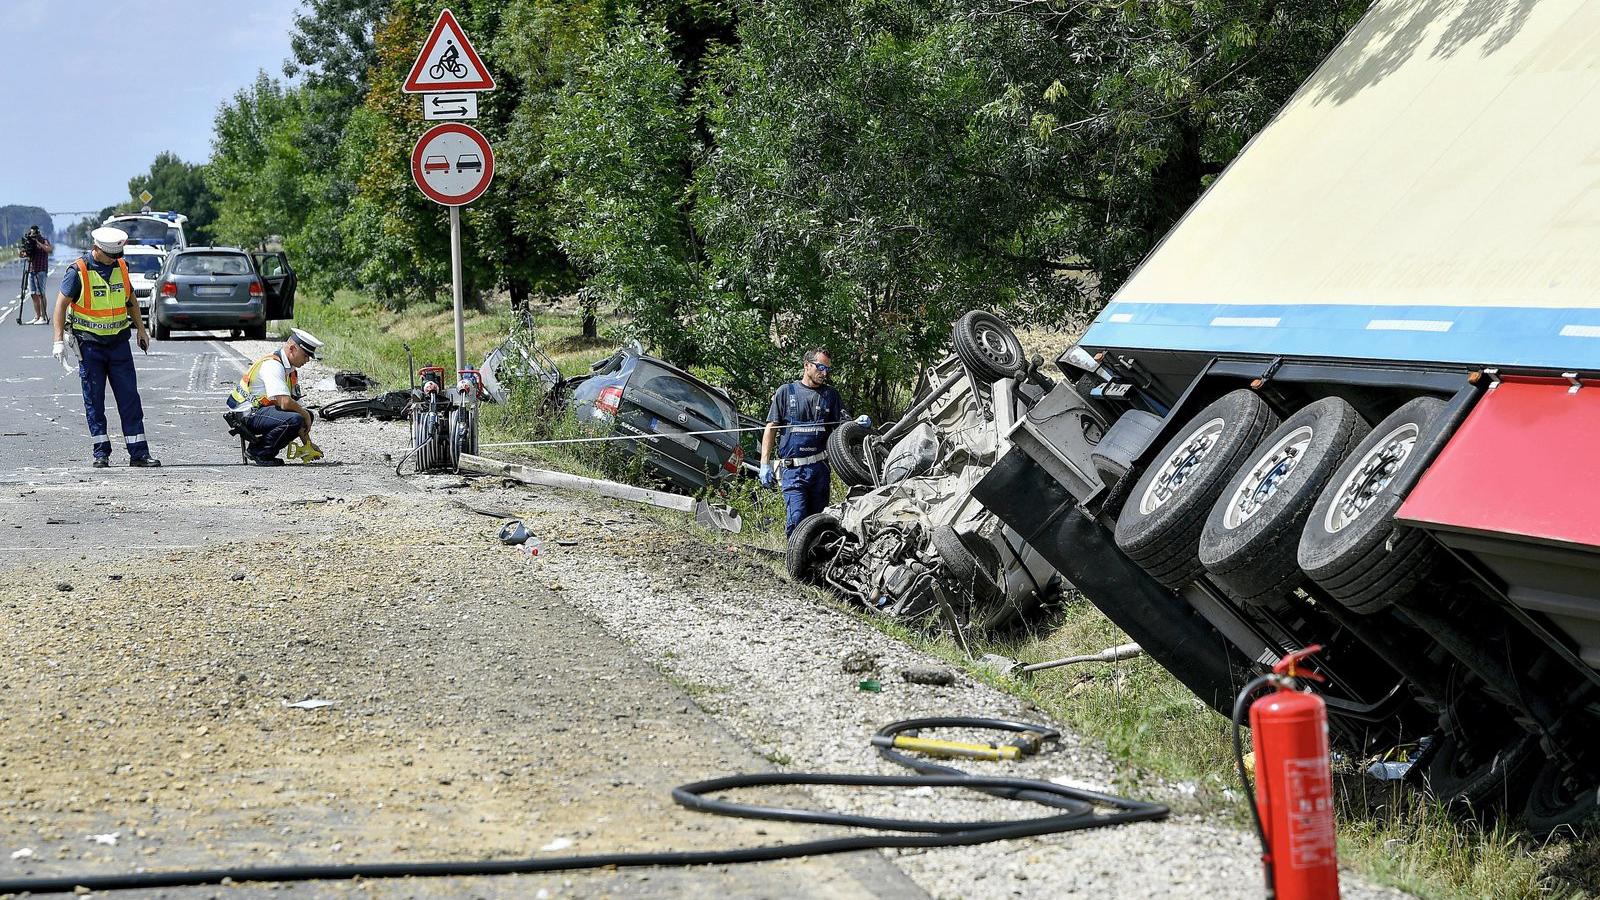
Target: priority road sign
x: 448, y: 62
x: 452, y: 164
x: 463, y: 105
x: 145, y: 197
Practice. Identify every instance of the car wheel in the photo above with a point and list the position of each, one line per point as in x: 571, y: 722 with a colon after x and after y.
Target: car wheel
x: 163, y: 332
x: 847, y: 454
x: 256, y: 332
x: 1561, y: 802
x: 1350, y: 545
x: 811, y: 544
x: 1251, y: 538
x: 1160, y: 522
x: 988, y: 346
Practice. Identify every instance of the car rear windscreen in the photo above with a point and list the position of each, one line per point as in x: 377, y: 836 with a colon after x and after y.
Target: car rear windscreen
x: 674, y: 389
x: 143, y: 263
x: 211, y: 264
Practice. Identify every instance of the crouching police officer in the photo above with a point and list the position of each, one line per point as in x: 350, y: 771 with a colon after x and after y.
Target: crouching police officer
x: 808, y: 410
x: 266, y: 402
x: 97, y: 301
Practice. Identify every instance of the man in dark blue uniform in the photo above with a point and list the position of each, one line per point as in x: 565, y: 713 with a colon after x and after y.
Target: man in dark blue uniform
x: 806, y: 411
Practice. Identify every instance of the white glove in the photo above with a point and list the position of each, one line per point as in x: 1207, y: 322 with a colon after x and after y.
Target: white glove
x: 59, y: 351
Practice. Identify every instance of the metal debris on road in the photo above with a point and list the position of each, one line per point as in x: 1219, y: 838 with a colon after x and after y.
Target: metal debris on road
x: 63, y: 586
x: 514, y: 532
x: 109, y: 838
x: 312, y: 703
x: 24, y: 853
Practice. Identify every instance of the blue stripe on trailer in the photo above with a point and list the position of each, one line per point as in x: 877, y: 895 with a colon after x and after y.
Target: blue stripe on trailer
x: 1543, y: 338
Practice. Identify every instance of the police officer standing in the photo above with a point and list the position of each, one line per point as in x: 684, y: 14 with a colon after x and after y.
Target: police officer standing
x: 97, y: 302
x: 807, y: 411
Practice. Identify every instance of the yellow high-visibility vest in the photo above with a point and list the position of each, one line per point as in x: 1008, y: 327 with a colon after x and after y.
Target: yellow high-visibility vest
x: 244, y: 396
x: 102, y: 306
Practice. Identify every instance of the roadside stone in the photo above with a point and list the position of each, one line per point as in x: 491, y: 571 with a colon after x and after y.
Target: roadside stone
x: 932, y: 676
x: 859, y: 662
x: 63, y: 586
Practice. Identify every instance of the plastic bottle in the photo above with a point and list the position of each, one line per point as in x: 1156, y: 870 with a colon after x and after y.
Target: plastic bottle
x: 532, y: 546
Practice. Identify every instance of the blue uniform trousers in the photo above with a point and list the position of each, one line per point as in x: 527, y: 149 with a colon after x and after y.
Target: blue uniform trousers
x: 271, y: 429
x: 102, y: 362
x: 805, y: 491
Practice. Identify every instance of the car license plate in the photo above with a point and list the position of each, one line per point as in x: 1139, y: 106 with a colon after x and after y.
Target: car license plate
x: 213, y: 290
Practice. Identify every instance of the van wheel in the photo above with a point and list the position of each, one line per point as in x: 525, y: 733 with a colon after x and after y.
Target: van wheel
x: 1251, y: 537
x: 1482, y: 779
x: 1160, y: 522
x: 988, y: 346
x: 847, y: 454
x: 811, y: 544
x: 1350, y: 545
x: 1561, y: 802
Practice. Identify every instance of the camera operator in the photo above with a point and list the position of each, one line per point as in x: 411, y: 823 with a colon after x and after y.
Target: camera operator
x: 36, y: 249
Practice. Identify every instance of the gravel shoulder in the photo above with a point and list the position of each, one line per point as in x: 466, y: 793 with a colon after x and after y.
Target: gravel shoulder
x: 484, y: 704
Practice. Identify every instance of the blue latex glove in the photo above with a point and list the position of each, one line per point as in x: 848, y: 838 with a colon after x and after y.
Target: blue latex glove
x: 766, y: 474
x: 864, y: 421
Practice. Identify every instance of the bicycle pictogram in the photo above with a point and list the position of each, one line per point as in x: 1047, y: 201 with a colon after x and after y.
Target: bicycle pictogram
x: 449, y: 61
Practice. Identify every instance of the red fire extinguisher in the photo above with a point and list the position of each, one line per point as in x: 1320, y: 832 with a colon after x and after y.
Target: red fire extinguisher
x: 1293, y: 798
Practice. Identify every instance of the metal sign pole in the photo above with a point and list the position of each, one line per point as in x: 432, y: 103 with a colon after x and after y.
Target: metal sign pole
x: 455, y: 286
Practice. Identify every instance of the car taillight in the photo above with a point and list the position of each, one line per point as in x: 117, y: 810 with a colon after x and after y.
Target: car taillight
x: 735, y: 462
x: 610, y: 400
x: 256, y: 290
x: 169, y: 290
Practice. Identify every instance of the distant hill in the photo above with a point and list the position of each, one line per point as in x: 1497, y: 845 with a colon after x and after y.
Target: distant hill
x: 14, y: 222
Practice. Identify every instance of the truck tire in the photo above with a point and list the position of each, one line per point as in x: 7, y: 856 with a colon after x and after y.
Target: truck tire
x: 1160, y: 522
x: 1351, y: 546
x: 1559, y: 802
x: 1251, y: 538
x: 971, y: 570
x: 988, y: 346
x: 847, y: 454
x: 805, y: 543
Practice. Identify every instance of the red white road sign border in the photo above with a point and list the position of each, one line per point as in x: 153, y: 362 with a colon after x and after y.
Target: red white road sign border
x: 414, y: 83
x: 448, y: 199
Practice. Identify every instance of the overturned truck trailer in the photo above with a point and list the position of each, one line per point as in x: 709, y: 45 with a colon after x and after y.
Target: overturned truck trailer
x: 1355, y: 397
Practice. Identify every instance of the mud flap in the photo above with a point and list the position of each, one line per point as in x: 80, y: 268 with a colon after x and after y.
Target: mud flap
x: 1171, y: 631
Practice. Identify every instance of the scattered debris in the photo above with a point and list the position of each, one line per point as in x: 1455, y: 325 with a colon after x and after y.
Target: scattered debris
x: 858, y: 662
x: 237, y: 576
x: 1008, y: 667
x: 61, y: 522
x: 352, y: 381
x: 514, y: 532
x: 941, y: 677
x: 312, y: 703
x: 557, y: 844
x: 871, y: 685
x: 63, y: 586
x: 109, y: 838
x: 567, y: 542
x: 24, y: 853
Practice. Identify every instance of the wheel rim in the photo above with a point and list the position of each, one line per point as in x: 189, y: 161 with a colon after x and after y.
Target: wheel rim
x: 1179, y: 465
x: 1360, y: 489
x: 992, y: 342
x: 1269, y: 473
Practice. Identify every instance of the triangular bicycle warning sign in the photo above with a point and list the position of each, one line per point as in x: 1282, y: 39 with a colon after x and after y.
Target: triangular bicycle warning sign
x: 448, y: 62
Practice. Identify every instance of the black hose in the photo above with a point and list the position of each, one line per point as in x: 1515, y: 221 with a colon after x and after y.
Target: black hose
x: 1240, y: 709
x: 1080, y: 804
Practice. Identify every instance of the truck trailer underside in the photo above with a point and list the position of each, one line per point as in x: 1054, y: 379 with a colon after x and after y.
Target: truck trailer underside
x: 1355, y: 402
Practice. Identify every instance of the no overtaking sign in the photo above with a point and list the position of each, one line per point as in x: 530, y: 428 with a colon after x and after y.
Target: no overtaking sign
x: 452, y: 164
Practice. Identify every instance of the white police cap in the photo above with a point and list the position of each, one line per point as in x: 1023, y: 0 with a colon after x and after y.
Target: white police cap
x: 307, y: 343
x: 110, y: 240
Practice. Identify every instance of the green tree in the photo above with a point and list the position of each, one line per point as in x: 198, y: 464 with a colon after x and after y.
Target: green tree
x: 258, y: 168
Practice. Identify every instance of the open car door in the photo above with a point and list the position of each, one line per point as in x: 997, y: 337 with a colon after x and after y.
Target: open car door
x: 280, y: 281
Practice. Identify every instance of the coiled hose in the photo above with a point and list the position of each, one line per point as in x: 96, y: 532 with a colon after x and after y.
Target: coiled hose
x: 1080, y: 811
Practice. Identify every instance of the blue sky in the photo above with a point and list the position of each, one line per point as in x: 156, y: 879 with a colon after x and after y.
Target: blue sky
x: 131, y: 79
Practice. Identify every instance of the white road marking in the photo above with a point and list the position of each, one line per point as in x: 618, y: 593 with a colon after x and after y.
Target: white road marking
x: 1409, y: 325
x: 1245, y: 322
